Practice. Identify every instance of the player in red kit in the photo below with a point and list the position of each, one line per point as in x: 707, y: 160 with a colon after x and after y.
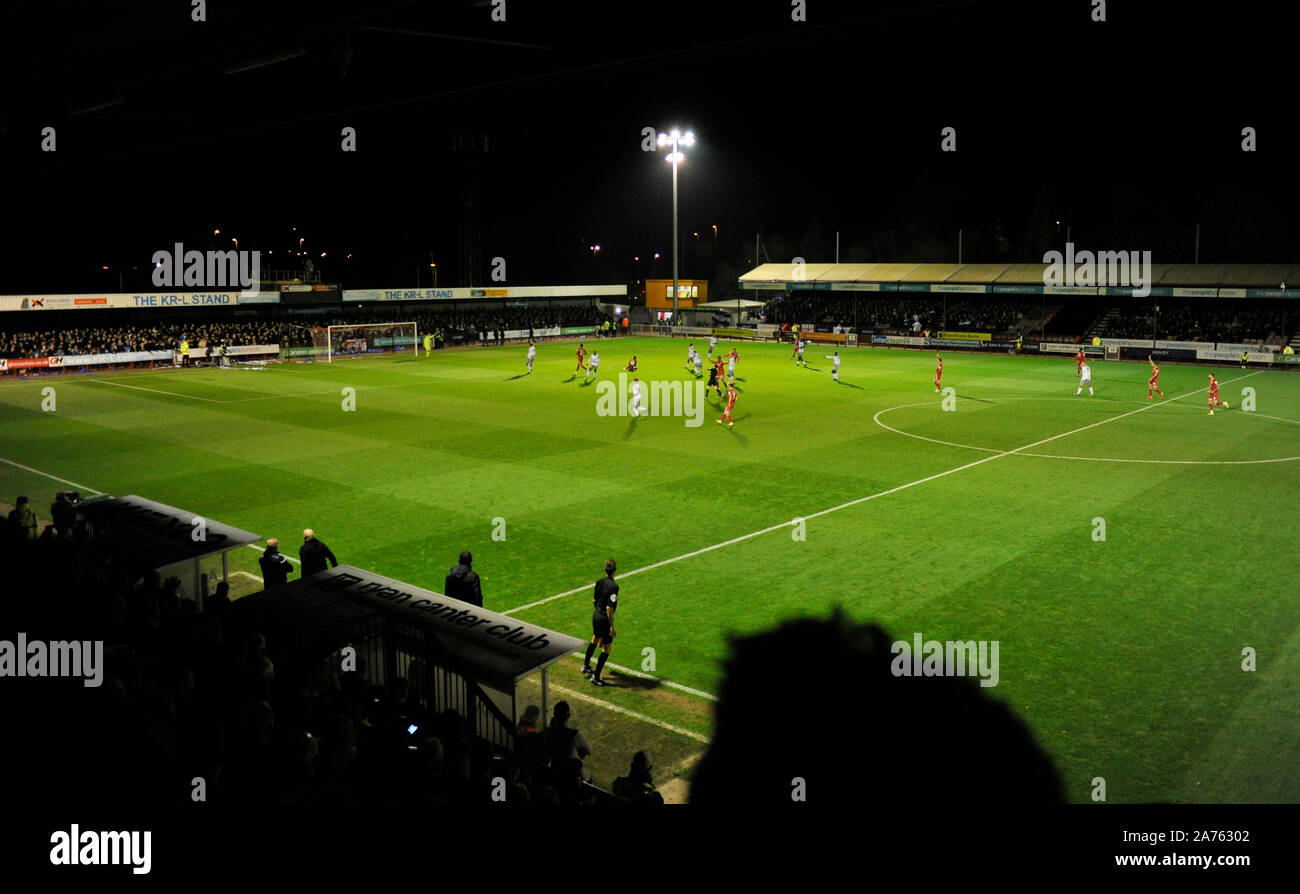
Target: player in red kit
x: 1078, y: 363
x: 582, y: 352
x: 717, y: 377
x: 938, y: 372
x: 731, y: 402
x: 1153, y: 384
x: 1214, y: 395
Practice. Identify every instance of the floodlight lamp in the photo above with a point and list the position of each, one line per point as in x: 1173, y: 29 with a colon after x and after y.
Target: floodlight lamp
x: 663, y: 139
x: 689, y: 138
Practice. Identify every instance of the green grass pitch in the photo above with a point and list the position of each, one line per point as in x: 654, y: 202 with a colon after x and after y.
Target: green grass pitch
x: 1124, y: 654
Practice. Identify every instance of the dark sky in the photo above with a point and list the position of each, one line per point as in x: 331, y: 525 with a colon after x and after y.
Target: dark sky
x: 1127, y: 131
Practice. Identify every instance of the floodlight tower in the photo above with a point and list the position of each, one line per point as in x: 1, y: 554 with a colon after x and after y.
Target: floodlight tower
x: 676, y: 139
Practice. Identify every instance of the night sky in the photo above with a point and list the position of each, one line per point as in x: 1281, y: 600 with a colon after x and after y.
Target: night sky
x: 1127, y: 131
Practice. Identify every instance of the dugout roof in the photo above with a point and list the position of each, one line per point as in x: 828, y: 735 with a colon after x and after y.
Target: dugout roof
x: 156, y: 534
x: 496, y: 650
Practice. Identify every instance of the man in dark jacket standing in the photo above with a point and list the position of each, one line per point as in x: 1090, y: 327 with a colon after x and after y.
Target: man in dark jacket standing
x: 313, y: 554
x: 275, y: 567
x: 462, y: 583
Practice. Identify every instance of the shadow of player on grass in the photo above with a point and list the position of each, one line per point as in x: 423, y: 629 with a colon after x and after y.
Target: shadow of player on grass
x: 858, y: 735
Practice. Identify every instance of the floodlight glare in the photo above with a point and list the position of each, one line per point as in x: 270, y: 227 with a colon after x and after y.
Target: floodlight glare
x: 663, y: 139
x: 674, y: 157
x: 689, y: 139
x: 676, y: 134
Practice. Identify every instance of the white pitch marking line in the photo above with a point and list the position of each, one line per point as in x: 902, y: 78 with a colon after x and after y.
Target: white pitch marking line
x: 154, y: 390
x: 246, y: 574
x: 573, y: 693
x: 635, y: 673
x: 883, y: 493
x: 48, y: 475
x: 1168, y: 462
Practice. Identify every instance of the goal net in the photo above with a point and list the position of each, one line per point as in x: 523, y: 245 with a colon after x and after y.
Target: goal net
x: 364, y: 340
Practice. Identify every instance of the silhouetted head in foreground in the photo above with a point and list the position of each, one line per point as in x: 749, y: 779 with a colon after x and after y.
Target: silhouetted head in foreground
x: 817, y: 701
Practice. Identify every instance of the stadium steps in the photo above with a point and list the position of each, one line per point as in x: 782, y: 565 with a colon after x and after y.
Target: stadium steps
x: 1102, y: 325
x: 1033, y: 321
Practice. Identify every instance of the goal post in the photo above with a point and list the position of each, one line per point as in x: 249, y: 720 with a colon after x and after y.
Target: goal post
x: 365, y: 340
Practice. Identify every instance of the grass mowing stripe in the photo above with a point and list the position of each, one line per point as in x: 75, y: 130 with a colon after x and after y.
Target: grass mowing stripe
x: 883, y: 493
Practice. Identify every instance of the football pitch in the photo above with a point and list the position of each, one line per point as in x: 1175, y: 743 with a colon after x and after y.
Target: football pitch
x: 1128, y: 555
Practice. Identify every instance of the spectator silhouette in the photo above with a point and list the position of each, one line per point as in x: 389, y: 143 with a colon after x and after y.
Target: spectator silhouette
x: 923, y: 740
x: 462, y: 583
x: 530, y: 742
x: 314, y: 554
x: 638, y: 786
x: 563, y: 741
x: 275, y: 567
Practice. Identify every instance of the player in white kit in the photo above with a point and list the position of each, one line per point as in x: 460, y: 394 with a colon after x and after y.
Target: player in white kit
x: 532, y: 353
x: 713, y: 343
x: 1085, y: 378
x: 690, y: 356
x: 800, y: 361
x: 635, y: 408
x: 835, y: 365
x: 592, y: 364
x: 699, y: 365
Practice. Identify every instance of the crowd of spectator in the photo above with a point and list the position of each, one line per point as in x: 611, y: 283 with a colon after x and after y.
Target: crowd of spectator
x: 894, y: 314
x: 48, y: 341
x: 1197, y: 320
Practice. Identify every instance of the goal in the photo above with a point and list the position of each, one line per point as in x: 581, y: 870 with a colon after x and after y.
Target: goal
x: 364, y: 340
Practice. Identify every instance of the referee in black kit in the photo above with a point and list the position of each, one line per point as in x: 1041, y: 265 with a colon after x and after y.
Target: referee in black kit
x: 602, y: 623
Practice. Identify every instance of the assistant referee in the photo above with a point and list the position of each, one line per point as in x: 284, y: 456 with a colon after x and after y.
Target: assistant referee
x: 605, y: 601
